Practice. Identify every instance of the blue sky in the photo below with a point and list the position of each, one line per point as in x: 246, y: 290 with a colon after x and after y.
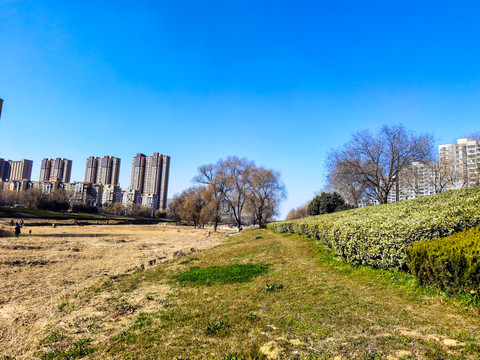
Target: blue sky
x: 278, y: 82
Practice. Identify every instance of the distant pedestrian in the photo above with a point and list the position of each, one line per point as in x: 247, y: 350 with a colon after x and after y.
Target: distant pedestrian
x: 17, y: 230
x: 11, y: 223
x: 21, y: 223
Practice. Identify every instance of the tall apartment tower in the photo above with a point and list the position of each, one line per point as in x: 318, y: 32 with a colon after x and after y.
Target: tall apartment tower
x: 20, y: 170
x: 150, y: 176
x: 105, y: 171
x: 51, y: 169
x: 91, y: 169
x: 138, y: 173
x: 4, y: 170
x: 464, y: 159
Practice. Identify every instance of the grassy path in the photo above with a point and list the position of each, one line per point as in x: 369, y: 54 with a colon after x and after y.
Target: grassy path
x: 325, y: 310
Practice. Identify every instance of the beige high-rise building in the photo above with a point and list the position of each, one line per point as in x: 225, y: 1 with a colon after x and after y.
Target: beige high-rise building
x: 110, y: 194
x: 150, y: 176
x: 20, y: 170
x: 105, y: 171
x: 59, y: 168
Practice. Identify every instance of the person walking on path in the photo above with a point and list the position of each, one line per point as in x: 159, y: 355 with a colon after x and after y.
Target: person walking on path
x: 17, y: 230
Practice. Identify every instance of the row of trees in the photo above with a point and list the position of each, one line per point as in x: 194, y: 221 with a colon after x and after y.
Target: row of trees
x: 34, y: 198
x: 235, y: 188
x: 60, y: 200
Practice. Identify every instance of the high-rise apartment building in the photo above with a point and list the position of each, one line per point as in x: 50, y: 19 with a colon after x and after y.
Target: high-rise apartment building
x: 91, y: 169
x: 4, y: 169
x: 150, y: 176
x: 105, y: 171
x: 458, y: 167
x: 138, y: 172
x: 51, y: 169
x: 109, y: 171
x: 18, y: 170
x: 464, y: 160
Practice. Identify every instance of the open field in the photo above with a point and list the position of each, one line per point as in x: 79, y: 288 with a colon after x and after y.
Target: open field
x: 257, y: 295
x: 41, y: 271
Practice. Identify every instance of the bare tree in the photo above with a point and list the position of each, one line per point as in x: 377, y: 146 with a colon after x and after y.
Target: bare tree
x: 238, y: 180
x: 9, y: 197
x: 195, y: 202
x: 243, y: 187
x: 138, y: 210
x: 175, y: 207
x: 264, y: 194
x: 350, y: 186
x: 443, y: 176
x: 31, y: 198
x: 298, y: 213
x: 379, y: 159
x: 114, y: 208
x: 229, y: 181
x: 215, y: 178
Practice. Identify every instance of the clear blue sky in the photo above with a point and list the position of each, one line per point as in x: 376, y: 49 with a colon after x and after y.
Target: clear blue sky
x: 278, y: 82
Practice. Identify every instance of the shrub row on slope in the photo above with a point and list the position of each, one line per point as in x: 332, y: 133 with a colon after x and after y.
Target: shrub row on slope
x: 379, y: 235
x: 451, y: 264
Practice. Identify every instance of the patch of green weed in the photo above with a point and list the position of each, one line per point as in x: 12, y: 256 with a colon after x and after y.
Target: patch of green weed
x: 51, y: 338
x: 272, y: 287
x: 236, y: 273
x: 62, y: 306
x: 189, y: 260
x: 143, y: 320
x: 217, y: 328
x: 79, y: 349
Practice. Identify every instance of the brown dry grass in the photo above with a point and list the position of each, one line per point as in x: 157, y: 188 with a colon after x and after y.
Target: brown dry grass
x: 41, y: 270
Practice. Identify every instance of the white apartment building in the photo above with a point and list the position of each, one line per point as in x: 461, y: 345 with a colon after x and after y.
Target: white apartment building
x: 464, y: 159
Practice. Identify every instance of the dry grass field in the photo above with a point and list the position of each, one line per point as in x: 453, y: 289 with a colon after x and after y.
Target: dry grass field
x: 42, y: 269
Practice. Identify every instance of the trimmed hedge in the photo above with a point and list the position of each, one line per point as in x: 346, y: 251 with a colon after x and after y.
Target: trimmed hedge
x: 451, y: 264
x: 379, y: 235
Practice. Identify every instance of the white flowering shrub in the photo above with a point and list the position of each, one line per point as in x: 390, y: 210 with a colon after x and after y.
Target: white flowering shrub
x: 379, y: 235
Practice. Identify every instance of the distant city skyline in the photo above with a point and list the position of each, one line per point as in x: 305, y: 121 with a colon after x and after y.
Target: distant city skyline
x: 279, y: 83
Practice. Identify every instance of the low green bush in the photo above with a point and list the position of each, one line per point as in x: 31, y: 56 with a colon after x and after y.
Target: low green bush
x: 379, y: 235
x: 451, y: 264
